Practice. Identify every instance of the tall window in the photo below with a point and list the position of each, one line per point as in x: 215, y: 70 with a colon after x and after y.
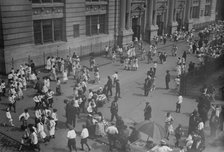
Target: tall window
x: 46, y: 31
x: 195, y: 12
x: 95, y: 24
x: 207, y: 10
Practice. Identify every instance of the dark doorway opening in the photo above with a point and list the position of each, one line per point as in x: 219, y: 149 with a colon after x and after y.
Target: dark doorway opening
x: 160, y: 24
x: 136, y: 28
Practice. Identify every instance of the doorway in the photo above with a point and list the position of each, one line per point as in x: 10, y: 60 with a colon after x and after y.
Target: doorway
x: 136, y: 28
x: 160, y: 24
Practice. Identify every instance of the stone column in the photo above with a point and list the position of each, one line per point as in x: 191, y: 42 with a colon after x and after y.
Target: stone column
x: 155, y: 12
x: 149, y: 13
x: 122, y: 14
x: 128, y: 12
x: 188, y: 15
x: 171, y: 12
x: 174, y: 10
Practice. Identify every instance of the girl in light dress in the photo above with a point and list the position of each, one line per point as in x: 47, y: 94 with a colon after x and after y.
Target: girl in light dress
x: 65, y: 76
x: 62, y: 65
x: 24, y: 82
x: 51, y: 127
x: 113, y: 57
x: 58, y: 87
x: 20, y: 90
x: 40, y: 131
x: 48, y: 66
x: 126, y: 63
x: 169, y: 125
x: 135, y: 64
x: 53, y: 73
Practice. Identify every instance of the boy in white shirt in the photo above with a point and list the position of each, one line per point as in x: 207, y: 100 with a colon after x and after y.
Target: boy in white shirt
x: 178, y: 104
x: 84, y: 137
x: 9, y: 117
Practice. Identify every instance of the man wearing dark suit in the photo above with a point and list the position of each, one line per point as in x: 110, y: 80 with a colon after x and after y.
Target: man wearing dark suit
x: 167, y: 79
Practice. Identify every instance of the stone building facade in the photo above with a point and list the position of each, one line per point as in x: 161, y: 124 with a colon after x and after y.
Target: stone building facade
x: 36, y: 29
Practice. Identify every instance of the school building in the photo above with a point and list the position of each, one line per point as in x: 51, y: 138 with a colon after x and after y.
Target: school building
x: 36, y: 29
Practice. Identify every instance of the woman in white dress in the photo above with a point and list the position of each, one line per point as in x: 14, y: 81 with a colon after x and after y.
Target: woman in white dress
x: 48, y: 66
x: 40, y: 130
x: 54, y: 75
x: 65, y: 76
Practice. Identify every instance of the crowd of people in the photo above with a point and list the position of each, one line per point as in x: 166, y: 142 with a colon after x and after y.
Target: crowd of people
x: 87, y: 101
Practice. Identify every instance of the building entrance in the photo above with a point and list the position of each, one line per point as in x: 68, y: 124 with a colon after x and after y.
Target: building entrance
x: 136, y: 28
x: 160, y: 24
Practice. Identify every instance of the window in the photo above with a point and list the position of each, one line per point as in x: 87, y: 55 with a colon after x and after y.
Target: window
x: 76, y: 30
x: 95, y: 24
x: 37, y: 32
x: 46, y: 31
x: 195, y: 12
x: 207, y: 10
x: 58, y: 29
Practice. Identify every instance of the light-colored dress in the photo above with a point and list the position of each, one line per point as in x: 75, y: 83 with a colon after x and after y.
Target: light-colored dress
x: 48, y: 66
x: 40, y: 130
x: 51, y: 127
x: 65, y: 76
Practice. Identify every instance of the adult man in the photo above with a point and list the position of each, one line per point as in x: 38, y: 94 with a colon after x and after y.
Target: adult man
x: 114, y: 108
x: 193, y: 121
x: 84, y: 137
x: 147, y: 85
x: 167, y: 78
x: 147, y: 111
x: 117, y: 89
x: 112, y: 133
x: 109, y: 86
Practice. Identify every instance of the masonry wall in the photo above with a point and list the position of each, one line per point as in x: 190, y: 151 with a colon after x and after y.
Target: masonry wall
x: 204, y: 20
x: 18, y: 33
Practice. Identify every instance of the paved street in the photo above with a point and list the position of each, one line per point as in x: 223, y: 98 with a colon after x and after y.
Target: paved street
x: 131, y: 104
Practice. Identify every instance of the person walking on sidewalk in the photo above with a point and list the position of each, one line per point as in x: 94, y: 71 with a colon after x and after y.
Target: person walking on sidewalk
x: 84, y: 137
x: 147, y: 111
x: 114, y: 109
x: 178, y: 104
x: 109, y: 86
x: 112, y: 132
x: 167, y: 78
x: 117, y: 89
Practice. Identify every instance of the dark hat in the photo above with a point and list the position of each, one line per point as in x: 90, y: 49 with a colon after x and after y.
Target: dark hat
x: 147, y: 103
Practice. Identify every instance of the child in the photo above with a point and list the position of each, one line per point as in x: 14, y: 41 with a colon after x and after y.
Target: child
x: 65, y: 76
x: 97, y: 77
x: 58, y: 87
x: 50, y: 94
x: 3, y: 87
x: 51, y: 127
x: 9, y: 118
x: 126, y: 63
x: 55, y: 116
x: 135, y: 64
x: 113, y: 57
x: 178, y: 104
